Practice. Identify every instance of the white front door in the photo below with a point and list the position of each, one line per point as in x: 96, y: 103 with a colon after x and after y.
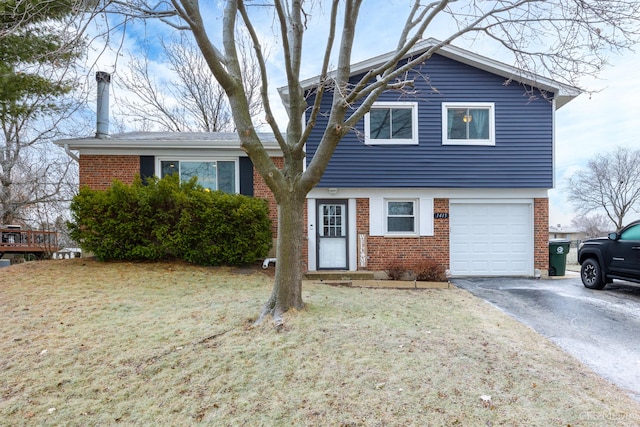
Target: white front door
x: 332, y: 235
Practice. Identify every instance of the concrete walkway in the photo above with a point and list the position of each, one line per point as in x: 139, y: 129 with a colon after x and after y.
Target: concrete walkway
x: 388, y: 284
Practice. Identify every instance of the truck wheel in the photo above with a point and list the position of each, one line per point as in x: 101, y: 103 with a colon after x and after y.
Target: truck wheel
x: 591, y: 275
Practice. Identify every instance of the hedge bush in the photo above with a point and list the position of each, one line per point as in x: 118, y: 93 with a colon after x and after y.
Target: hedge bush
x: 166, y: 218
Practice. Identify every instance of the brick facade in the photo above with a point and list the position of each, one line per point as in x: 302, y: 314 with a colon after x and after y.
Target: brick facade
x: 262, y: 191
x: 541, y: 236
x: 382, y: 251
x: 98, y: 171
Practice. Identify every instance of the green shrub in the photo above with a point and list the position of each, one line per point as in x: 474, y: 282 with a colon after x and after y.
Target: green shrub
x: 167, y: 218
x: 223, y: 229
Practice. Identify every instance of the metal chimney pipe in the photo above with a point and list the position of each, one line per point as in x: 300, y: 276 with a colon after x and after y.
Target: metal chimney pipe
x: 102, y: 125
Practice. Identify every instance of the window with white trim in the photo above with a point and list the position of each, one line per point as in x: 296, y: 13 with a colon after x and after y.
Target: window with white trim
x: 422, y: 212
x: 211, y: 174
x: 468, y: 123
x: 401, y: 217
x: 391, y: 123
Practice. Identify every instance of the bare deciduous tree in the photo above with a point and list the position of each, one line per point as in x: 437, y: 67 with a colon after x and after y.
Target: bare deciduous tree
x: 189, y: 100
x: 610, y: 183
x: 592, y: 225
x: 35, y: 177
x: 37, y: 78
x: 563, y: 39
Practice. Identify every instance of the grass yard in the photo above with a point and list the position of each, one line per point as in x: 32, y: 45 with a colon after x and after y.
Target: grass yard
x: 88, y: 343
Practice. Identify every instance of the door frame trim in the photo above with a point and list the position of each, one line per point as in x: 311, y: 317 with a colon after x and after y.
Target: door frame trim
x: 345, y: 203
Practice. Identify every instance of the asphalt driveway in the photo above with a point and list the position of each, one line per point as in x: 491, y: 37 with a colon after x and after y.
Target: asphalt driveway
x: 600, y: 328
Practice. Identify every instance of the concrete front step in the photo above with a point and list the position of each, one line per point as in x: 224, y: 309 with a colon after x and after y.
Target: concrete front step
x: 339, y: 275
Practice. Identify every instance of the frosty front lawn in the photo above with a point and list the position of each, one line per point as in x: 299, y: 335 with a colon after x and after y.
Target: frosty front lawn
x: 89, y: 343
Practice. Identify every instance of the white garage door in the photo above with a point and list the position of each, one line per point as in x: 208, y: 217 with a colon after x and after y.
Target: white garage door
x: 491, y: 239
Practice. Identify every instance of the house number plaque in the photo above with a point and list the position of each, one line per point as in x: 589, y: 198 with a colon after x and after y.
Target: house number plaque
x: 441, y: 215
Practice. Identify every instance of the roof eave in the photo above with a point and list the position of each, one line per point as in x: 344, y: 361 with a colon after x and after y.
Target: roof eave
x: 161, y: 141
x: 562, y: 93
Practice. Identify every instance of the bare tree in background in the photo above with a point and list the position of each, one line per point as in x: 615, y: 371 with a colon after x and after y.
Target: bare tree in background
x: 562, y: 39
x: 610, y: 183
x: 39, y: 179
x: 38, y: 47
x: 596, y: 225
x: 16, y: 15
x: 189, y: 100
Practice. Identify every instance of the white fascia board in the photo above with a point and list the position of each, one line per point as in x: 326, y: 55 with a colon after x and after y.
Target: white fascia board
x: 168, y: 152
x: 112, y: 144
x: 436, y: 193
x: 154, y: 143
x: 564, y: 93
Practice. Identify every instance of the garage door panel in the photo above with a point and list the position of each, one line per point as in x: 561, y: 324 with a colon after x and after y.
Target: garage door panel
x: 500, y: 266
x: 476, y: 247
x: 519, y: 248
x: 499, y: 231
x: 477, y: 265
x: 519, y: 265
x: 500, y: 248
x: 491, y: 239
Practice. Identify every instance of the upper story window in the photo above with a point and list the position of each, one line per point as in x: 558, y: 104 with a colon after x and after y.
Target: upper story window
x: 468, y: 123
x: 391, y: 123
x: 211, y: 174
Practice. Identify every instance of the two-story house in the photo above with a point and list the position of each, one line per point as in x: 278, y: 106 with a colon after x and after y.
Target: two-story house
x: 457, y: 171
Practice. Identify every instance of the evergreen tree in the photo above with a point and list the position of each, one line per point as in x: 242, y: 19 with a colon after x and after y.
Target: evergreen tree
x: 37, y: 49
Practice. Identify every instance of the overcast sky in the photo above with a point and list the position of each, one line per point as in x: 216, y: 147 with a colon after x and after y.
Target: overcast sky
x: 594, y: 124
x: 588, y: 125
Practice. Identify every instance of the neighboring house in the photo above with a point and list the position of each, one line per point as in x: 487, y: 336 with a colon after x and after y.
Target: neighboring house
x: 571, y: 234
x: 458, y: 171
x: 567, y: 233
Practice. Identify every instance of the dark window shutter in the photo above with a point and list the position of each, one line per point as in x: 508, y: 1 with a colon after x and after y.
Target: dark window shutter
x: 246, y: 176
x: 147, y: 167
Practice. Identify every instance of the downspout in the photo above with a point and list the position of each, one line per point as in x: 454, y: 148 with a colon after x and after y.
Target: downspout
x: 70, y: 154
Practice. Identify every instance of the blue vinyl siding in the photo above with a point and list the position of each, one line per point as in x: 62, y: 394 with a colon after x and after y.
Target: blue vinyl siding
x: 521, y: 157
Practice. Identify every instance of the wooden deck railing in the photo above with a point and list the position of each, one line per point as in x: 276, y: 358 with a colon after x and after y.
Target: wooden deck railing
x: 36, y: 241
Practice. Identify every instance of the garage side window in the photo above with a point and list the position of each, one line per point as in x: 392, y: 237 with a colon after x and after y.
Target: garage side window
x: 211, y: 174
x: 401, y: 217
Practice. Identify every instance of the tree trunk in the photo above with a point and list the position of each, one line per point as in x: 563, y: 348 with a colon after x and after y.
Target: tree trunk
x: 287, y: 289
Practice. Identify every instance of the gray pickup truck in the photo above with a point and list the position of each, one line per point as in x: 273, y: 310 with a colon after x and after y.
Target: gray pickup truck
x: 616, y: 256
